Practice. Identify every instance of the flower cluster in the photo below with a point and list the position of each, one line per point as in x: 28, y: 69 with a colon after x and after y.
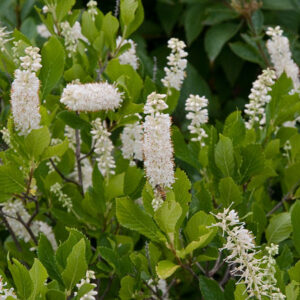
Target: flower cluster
x: 259, y: 97
x: 128, y: 57
x: 198, y: 114
x: 91, y: 96
x: 6, y: 136
x: 91, y: 293
x: 4, y: 38
x: 43, y: 31
x: 160, y: 286
x: 13, y: 210
x: 64, y: 199
x: 175, y: 73
x: 132, y: 142
x: 281, y: 56
x: 257, y: 275
x: 92, y: 9
x: 103, y: 147
x: 157, y: 145
x: 71, y: 35
x: 25, y: 103
x: 5, y: 292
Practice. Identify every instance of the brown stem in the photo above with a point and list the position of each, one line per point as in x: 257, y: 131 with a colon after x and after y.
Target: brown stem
x: 155, y: 292
x: 13, y: 235
x: 27, y: 228
x: 107, y: 287
x: 216, y: 267
x: 36, y: 212
x: 286, y: 197
x: 226, y: 277
x: 18, y: 14
x: 87, y: 155
x: 61, y: 174
x: 29, y: 181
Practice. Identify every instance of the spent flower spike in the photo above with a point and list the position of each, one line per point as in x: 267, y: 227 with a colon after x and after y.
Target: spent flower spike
x: 256, y: 274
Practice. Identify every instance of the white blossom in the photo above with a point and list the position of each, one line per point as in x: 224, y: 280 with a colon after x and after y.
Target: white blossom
x: 198, y: 114
x: 55, y: 158
x: 90, y: 294
x: 5, y: 136
x: 4, y: 291
x: 63, y: 198
x: 128, y: 57
x: 91, y: 97
x: 43, y: 31
x: 256, y: 274
x: 4, y: 37
x: 25, y: 103
x: 281, y: 56
x: 72, y: 36
x: 70, y: 134
x: 92, y: 9
x: 32, y: 60
x: 175, y: 72
x: 103, y: 147
x: 13, y: 209
x: 160, y: 285
x: 255, y: 109
x: 157, y: 145
x: 132, y: 142
x: 157, y: 202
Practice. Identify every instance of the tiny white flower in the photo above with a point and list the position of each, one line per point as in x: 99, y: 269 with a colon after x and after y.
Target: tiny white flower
x: 129, y: 57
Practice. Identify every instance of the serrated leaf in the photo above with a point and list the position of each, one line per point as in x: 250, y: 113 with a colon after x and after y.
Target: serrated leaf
x: 234, y: 128
x: 132, y: 217
x: 47, y: 257
x: 279, y: 228
x: 38, y: 276
x: 224, y: 156
x: 76, y: 265
x: 56, y: 150
x: 229, y: 192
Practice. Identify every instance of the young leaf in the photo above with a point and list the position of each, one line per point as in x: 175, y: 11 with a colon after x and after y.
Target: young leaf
x: 76, y: 265
x: 165, y: 269
x: 127, y: 288
x: 295, y: 217
x: 38, y: 276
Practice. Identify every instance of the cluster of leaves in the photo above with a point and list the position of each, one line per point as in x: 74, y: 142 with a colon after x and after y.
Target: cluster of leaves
x: 112, y: 228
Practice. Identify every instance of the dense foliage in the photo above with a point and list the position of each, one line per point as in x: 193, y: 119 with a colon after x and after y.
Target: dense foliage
x: 136, y: 167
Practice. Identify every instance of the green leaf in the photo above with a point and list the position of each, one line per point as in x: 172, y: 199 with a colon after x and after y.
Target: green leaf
x: 210, y: 289
x: 279, y: 228
x: 240, y: 292
x: 295, y: 218
x: 76, y: 265
x: 224, y: 156
x: 53, y: 61
x: 234, y: 128
x: 89, y: 28
x: 136, y: 21
x: 193, y: 21
x: 110, y: 28
x: 272, y: 149
x: 55, y: 295
x: 247, y: 52
x: 11, y: 181
x: 62, y: 8
x: 37, y: 141
x: 127, y: 288
x: 127, y: 11
x: 133, y: 179
x: 132, y: 217
x: 47, y: 258
x: 133, y: 81
x: 72, y: 120
x: 167, y: 216
x: 217, y: 36
x: 56, y: 150
x: 229, y: 192
x: 253, y: 162
x: 292, y: 291
x: 21, y: 279
x: 165, y: 269
x: 294, y: 272
x: 279, y: 4
x: 115, y: 187
x: 38, y: 276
